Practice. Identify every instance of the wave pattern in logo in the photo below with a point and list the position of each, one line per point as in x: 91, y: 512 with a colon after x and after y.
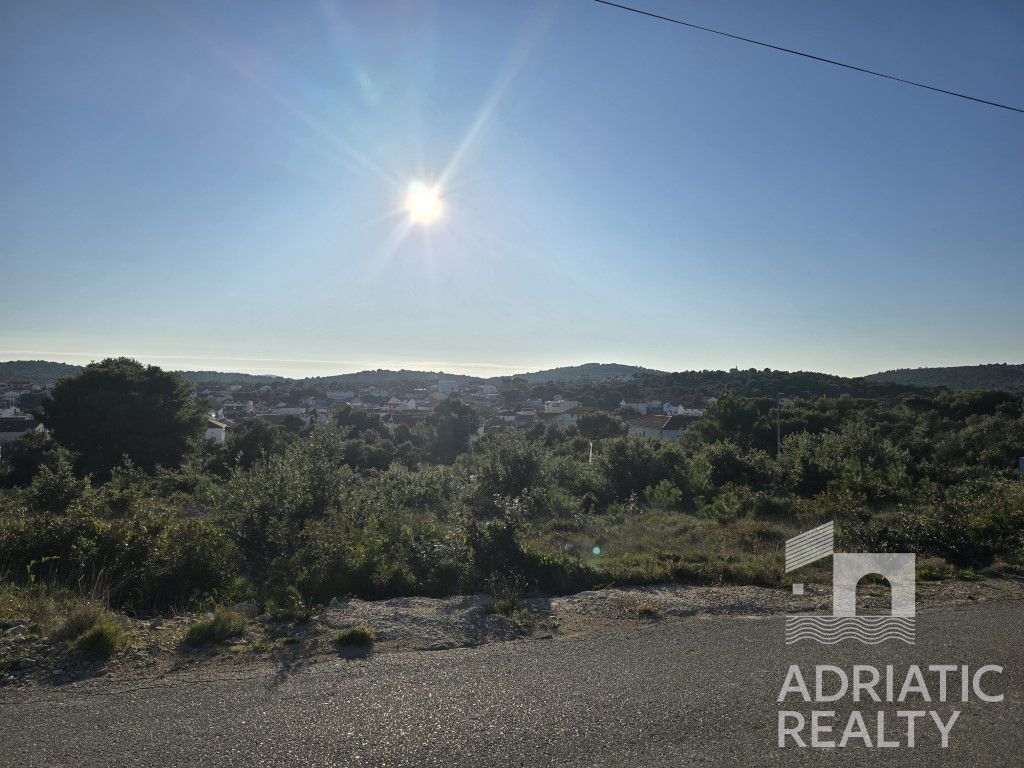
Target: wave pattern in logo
x: 830, y: 630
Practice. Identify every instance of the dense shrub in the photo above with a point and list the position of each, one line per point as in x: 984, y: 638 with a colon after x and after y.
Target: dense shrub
x: 100, y: 642
x: 187, y: 555
x: 630, y: 465
x: 508, y: 464
x: 21, y: 459
x: 360, y: 637
x: 224, y: 624
x: 147, y: 560
x: 80, y: 620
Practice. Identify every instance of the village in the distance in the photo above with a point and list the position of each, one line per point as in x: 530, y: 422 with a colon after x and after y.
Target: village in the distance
x: 557, y: 397
x: 510, y: 403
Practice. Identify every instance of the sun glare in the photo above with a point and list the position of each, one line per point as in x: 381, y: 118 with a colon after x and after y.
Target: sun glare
x: 423, y: 203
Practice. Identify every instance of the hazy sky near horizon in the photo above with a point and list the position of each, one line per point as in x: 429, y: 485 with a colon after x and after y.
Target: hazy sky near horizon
x: 221, y: 185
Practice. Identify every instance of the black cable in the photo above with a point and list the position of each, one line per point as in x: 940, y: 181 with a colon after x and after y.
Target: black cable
x: 808, y: 56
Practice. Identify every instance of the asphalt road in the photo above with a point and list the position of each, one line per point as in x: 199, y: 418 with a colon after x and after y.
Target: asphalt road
x: 693, y: 692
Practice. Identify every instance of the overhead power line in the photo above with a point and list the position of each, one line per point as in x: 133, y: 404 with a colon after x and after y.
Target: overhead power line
x: 807, y: 55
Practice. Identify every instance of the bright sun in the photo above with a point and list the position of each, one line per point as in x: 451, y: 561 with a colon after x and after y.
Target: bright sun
x: 423, y: 203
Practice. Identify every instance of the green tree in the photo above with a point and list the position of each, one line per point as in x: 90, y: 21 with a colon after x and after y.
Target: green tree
x: 509, y: 465
x: 631, y: 464
x: 20, y: 459
x: 254, y: 438
x: 119, y: 407
x: 448, y: 429
x: 361, y: 422
x: 599, y: 425
x: 292, y: 424
x: 748, y: 422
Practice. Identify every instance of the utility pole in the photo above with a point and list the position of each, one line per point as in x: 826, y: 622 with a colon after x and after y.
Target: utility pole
x: 778, y: 424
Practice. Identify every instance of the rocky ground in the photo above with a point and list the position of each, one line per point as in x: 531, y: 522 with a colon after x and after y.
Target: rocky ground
x: 155, y: 647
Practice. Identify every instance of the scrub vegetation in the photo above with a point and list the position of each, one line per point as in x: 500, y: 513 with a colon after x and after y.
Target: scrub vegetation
x: 288, y: 518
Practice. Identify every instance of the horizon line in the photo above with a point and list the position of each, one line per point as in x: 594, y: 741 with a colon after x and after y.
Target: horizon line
x: 418, y: 366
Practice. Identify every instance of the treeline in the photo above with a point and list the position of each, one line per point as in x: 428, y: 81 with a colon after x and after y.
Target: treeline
x: 353, y: 508
x: 695, y: 386
x: 997, y: 376
x: 35, y: 371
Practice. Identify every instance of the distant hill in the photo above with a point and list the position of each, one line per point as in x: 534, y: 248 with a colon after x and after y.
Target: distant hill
x: 691, y: 387
x: 218, y: 377
x: 592, y: 371
x: 35, y: 371
x: 595, y: 371
x: 995, y: 376
x: 382, y: 377
x: 670, y: 386
x: 46, y: 372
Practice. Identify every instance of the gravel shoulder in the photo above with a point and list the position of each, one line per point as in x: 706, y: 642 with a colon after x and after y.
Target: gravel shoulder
x: 429, y: 624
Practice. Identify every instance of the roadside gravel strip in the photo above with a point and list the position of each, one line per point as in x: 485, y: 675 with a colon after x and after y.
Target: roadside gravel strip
x: 429, y: 624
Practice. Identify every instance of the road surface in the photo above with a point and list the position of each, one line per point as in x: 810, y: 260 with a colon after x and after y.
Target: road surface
x: 692, y: 692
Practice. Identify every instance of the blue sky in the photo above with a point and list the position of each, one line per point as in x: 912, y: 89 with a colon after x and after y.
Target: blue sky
x: 220, y: 185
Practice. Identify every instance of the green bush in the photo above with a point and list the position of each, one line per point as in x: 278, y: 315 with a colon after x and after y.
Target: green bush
x: 80, y: 620
x: 187, y: 554
x: 101, y: 642
x: 664, y: 495
x: 506, y: 589
x: 361, y: 637
x: 288, y: 605
x: 508, y: 464
x: 224, y: 624
x: 629, y: 465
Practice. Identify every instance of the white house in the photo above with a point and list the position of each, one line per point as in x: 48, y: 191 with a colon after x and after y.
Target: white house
x: 560, y: 405
x: 287, y: 410
x: 216, y: 431
x: 680, y: 410
x: 569, y: 417
x: 663, y: 427
x: 13, y: 428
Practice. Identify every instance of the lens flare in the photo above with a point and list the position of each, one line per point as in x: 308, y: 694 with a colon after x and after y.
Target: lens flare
x: 423, y: 203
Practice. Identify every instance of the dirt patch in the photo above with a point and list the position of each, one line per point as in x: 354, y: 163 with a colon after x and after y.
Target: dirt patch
x: 426, y: 624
